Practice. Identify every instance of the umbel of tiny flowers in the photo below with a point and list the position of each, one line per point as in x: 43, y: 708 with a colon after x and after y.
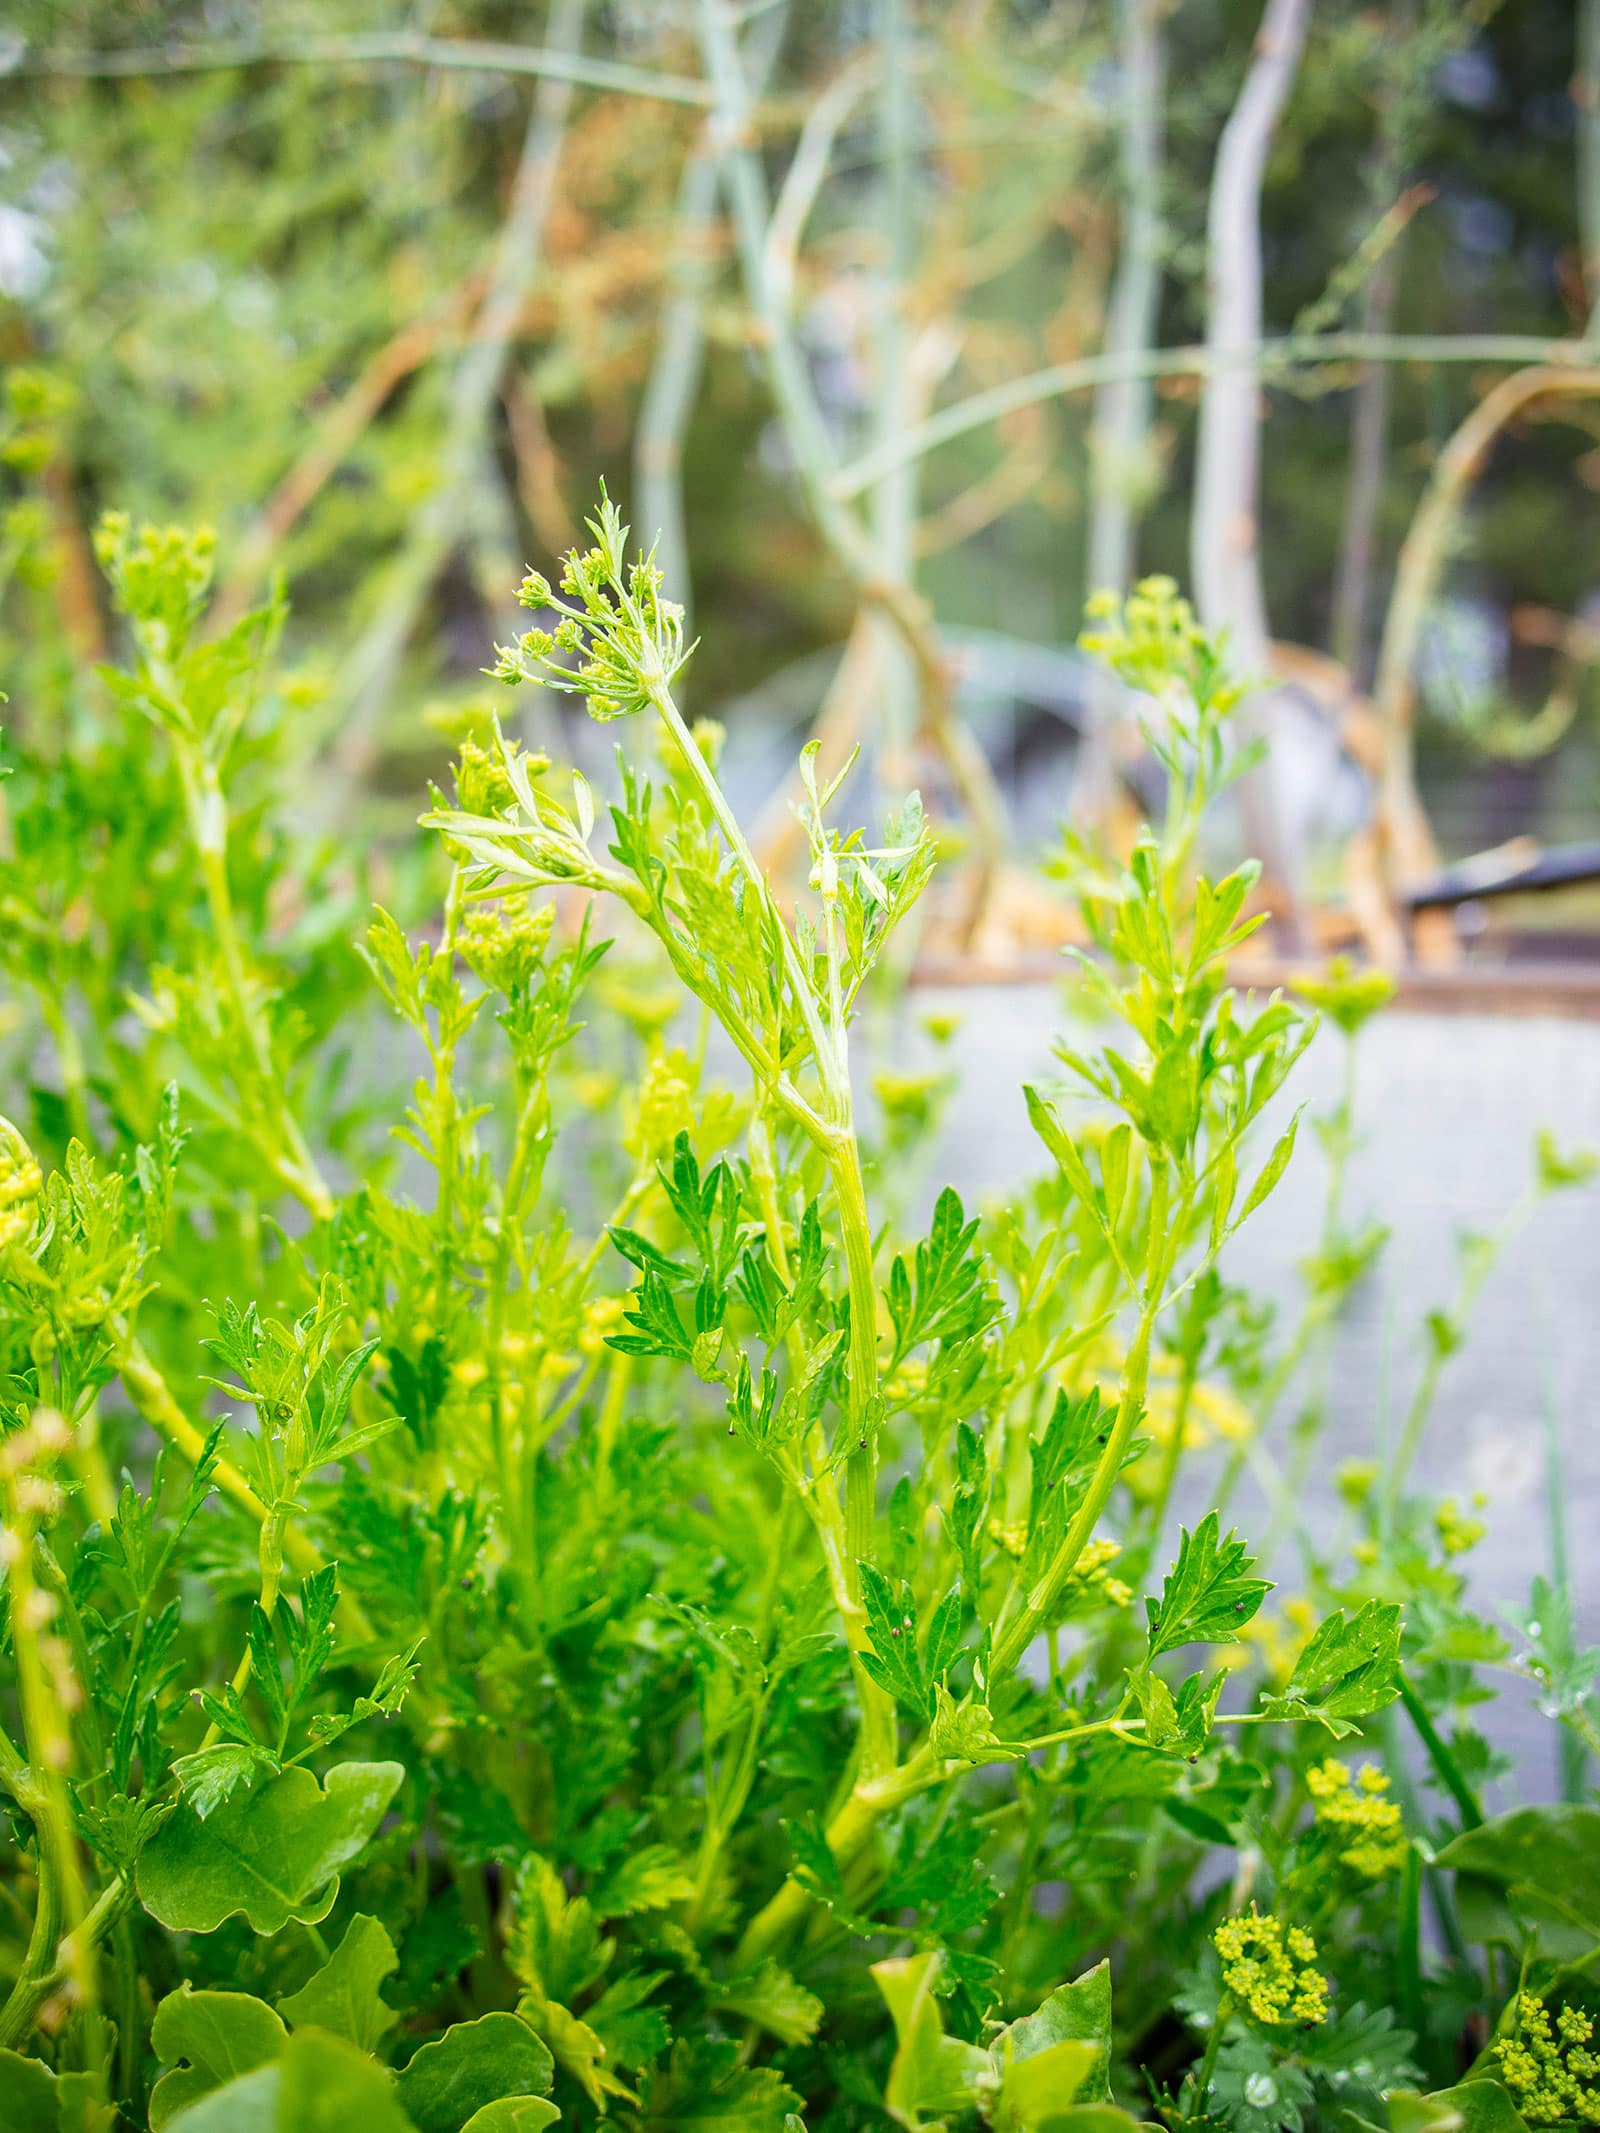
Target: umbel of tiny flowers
x: 1154, y: 642
x: 1357, y: 1815
x: 1269, y: 1970
x: 21, y: 1182
x: 626, y: 639
x: 1551, y: 2070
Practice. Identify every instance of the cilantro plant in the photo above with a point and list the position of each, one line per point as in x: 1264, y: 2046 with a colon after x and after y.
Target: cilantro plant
x: 534, y: 1590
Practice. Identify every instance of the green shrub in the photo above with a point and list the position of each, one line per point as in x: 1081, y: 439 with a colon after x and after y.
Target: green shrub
x: 536, y: 1588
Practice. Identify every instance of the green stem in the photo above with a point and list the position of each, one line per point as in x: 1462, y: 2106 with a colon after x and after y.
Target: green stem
x: 1171, y: 1458
x: 848, y: 1833
x: 1014, y: 1640
x: 280, y: 1137
x: 1416, y: 1421
x: 1449, y: 1770
x: 1408, y: 1953
x: 36, y: 1985
x: 371, y: 48
x: 1208, y: 2063
x: 40, y: 1789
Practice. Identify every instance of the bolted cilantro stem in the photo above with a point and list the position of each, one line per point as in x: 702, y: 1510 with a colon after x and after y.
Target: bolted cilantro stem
x: 1208, y: 2063
x: 41, y: 1790
x: 1448, y: 1769
x: 1013, y: 1641
x: 834, y: 1135
x: 206, y: 808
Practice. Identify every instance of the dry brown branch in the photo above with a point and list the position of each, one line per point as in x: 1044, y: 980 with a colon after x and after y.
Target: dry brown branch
x: 537, y: 468
x: 1408, y: 850
x: 76, y: 579
x: 1015, y: 478
x: 337, y: 435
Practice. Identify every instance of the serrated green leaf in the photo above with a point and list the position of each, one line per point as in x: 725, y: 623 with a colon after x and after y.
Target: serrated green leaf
x: 274, y: 1854
x: 343, y: 1997
x: 1347, y: 1671
x: 932, y: 2074
x: 771, y: 1998
x: 472, y: 2065
x: 1208, y: 1594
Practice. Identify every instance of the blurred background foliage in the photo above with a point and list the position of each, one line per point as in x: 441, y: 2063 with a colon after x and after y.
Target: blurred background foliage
x: 266, y: 295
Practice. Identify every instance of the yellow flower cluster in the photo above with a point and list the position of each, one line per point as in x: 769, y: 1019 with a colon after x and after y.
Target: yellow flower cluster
x: 1278, y: 1637
x: 501, y: 944
x: 1348, y: 996
x: 21, y: 1182
x: 1457, y: 1533
x: 1091, y: 1579
x: 1360, y: 1817
x: 665, y: 1105
x: 1270, y: 1969
x: 1153, y: 640
x: 1550, y: 2068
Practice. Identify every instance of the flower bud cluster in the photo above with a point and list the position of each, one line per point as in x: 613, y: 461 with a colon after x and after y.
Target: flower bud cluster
x: 1269, y: 1968
x: 1551, y: 2068
x: 612, y: 619
x: 1358, y: 1815
x: 21, y: 1182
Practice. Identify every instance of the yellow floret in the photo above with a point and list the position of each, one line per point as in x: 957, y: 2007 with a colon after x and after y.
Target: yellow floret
x: 1551, y: 2072
x: 1359, y: 1817
x: 1270, y: 1969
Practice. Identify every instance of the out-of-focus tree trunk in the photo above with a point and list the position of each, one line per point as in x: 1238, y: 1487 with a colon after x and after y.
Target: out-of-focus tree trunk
x: 1120, y: 431
x: 894, y: 496
x: 1225, y: 545
x: 675, y: 371
x: 1586, y: 91
x: 1369, y: 429
x: 1121, y: 426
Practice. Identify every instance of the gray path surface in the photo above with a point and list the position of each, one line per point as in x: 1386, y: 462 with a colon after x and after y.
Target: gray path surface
x: 1448, y: 1107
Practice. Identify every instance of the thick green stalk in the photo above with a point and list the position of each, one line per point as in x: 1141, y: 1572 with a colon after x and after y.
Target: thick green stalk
x: 44, y: 1689
x: 1208, y: 2063
x: 1014, y: 1639
x: 1444, y: 1763
x: 282, y: 1141
x: 847, y: 1834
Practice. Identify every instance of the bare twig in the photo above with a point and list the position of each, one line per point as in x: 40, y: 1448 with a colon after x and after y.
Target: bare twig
x: 1369, y: 433
x: 75, y: 581
x: 808, y: 168
x: 406, y: 351
x: 551, y: 62
x: 1271, y: 357
x: 1121, y: 424
x: 538, y: 482
x: 894, y: 498
x: 1586, y: 95
x: 807, y: 434
x: 674, y: 378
